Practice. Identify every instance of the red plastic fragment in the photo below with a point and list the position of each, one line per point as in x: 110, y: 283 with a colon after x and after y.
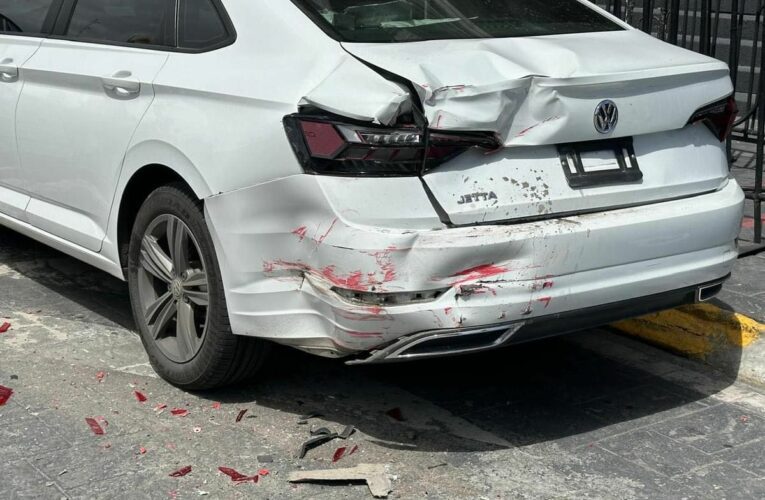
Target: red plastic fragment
x: 179, y: 412
x: 95, y: 426
x: 238, y: 477
x: 395, y: 414
x: 354, y: 449
x: 181, y: 472
x: 5, y: 327
x: 264, y: 472
x: 339, y: 453
x: 160, y: 407
x: 5, y: 394
x: 241, y: 415
x: 216, y: 405
x: 142, y: 450
x: 100, y: 376
x: 141, y: 397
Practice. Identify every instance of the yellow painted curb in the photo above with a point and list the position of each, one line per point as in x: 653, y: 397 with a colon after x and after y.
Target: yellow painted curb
x: 696, y: 330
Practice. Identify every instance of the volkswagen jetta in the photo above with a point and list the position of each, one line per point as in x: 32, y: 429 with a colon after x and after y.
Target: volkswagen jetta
x: 365, y: 179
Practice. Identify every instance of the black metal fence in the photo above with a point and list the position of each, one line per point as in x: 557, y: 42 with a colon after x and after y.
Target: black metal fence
x: 730, y: 30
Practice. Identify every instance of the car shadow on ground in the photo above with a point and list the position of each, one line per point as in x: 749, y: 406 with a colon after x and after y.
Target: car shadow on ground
x: 554, y: 390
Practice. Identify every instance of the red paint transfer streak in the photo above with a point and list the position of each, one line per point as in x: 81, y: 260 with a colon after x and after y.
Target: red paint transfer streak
x: 480, y: 272
x: 548, y: 284
x: 300, y: 232
x: 324, y: 236
x: 352, y: 282
x: 448, y: 310
x: 545, y: 300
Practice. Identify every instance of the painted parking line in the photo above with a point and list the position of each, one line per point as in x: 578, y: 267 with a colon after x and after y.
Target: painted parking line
x: 696, y: 331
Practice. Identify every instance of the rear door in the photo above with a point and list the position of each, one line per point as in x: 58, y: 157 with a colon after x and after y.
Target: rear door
x: 22, y: 24
x: 86, y: 89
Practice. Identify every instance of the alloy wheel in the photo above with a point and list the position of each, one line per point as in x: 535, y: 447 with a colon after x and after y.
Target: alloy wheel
x: 173, y: 288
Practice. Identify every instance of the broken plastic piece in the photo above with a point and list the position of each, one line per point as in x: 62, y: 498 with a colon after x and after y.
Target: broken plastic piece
x: 238, y: 477
x: 181, y: 472
x: 354, y: 449
x: 314, y: 442
x: 179, y: 412
x: 5, y: 327
x: 339, y: 453
x: 241, y: 415
x: 95, y: 426
x: 141, y: 397
x: 349, y: 429
x: 5, y: 394
x: 100, y: 376
x: 142, y: 450
x: 373, y: 474
x: 264, y: 472
x: 216, y: 405
x: 395, y: 414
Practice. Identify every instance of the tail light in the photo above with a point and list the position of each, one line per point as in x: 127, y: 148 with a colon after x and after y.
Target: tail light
x: 719, y: 117
x: 330, y: 146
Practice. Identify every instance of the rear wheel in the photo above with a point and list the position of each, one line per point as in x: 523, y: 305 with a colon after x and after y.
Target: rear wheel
x: 177, y: 296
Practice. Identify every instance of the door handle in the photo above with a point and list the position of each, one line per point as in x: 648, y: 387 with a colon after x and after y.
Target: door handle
x: 122, y: 85
x: 9, y: 72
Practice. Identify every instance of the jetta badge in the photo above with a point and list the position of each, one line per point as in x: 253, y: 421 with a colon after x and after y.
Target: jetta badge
x: 606, y: 117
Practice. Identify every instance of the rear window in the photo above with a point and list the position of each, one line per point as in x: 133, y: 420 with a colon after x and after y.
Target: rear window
x: 415, y: 20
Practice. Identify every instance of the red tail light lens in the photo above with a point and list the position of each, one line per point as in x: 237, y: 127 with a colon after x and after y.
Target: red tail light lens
x: 328, y: 146
x: 719, y: 117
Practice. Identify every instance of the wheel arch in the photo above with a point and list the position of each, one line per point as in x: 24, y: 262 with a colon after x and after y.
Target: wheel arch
x: 148, y: 166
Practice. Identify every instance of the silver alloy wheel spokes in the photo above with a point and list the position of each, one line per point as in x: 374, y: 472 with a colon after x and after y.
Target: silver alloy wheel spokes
x: 173, y: 288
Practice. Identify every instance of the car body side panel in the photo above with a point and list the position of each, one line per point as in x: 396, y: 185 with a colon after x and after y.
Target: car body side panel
x: 14, y: 52
x: 237, y: 96
x: 73, y: 133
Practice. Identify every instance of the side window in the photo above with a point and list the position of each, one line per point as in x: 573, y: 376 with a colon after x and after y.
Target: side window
x: 200, y: 25
x: 142, y: 22
x: 23, y: 16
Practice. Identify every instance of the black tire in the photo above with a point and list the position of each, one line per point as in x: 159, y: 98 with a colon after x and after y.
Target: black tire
x: 222, y: 357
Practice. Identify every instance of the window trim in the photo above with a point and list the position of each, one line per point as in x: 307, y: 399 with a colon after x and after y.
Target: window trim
x: 47, y: 27
x: 66, y: 11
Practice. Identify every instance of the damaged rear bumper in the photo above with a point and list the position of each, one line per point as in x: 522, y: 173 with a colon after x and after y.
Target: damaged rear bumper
x: 293, y: 253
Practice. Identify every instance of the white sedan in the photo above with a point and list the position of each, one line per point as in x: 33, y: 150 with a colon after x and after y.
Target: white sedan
x: 368, y: 180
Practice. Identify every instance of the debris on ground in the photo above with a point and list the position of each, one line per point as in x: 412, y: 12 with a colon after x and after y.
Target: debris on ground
x: 373, y: 474
x: 238, y: 477
x: 100, y: 376
x: 323, y: 435
x: 179, y: 412
x: 142, y: 450
x: 240, y: 416
x: 265, y: 459
x: 95, y: 426
x: 140, y: 397
x: 181, y: 472
x: 160, y: 408
x: 5, y: 327
x: 216, y: 405
x: 5, y: 394
x: 339, y: 453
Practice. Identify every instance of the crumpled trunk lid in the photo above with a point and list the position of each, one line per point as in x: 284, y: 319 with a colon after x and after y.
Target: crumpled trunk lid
x: 537, y: 93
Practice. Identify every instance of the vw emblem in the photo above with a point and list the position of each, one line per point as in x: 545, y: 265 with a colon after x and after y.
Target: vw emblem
x: 606, y: 117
